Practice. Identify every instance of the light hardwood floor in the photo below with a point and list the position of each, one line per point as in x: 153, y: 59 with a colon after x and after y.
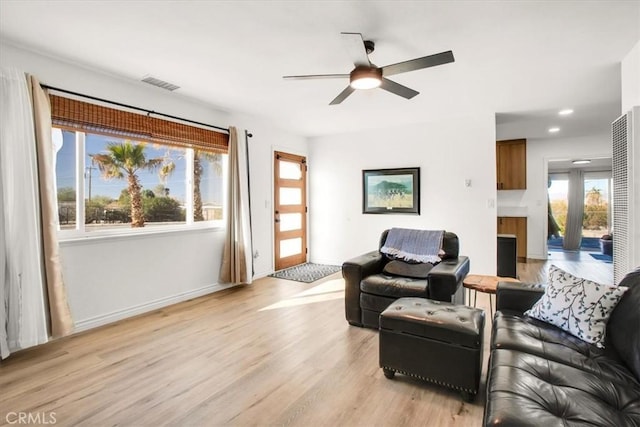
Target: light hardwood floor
x: 274, y: 353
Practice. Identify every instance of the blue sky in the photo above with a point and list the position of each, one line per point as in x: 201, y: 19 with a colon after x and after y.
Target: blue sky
x: 95, y: 144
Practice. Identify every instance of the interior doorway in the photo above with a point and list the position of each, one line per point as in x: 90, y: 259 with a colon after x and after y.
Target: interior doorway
x: 290, y: 209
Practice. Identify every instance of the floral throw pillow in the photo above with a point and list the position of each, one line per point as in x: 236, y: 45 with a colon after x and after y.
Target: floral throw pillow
x: 578, y: 306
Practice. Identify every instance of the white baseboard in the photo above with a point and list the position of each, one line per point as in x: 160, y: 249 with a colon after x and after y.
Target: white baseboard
x: 327, y: 262
x: 104, y: 319
x: 257, y: 276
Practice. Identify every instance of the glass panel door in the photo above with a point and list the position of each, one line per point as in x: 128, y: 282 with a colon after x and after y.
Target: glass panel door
x: 290, y: 210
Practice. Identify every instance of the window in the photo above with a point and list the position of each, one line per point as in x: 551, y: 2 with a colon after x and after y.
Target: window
x: 107, y: 181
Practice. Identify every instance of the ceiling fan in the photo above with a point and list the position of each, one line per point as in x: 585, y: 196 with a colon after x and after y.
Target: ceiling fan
x: 366, y: 75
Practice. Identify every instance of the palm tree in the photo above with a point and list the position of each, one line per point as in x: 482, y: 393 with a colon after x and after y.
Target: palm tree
x: 168, y: 166
x: 124, y: 160
x: 198, y: 156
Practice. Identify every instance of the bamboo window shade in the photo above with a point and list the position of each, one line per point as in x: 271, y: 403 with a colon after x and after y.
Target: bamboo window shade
x: 76, y: 115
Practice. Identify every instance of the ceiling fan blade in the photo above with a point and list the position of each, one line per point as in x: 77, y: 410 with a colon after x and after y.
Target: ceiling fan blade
x: 397, y: 88
x: 418, y: 63
x: 343, y: 95
x: 317, y: 76
x: 354, y: 44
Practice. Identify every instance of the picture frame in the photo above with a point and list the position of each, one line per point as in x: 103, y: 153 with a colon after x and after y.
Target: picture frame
x: 391, y: 191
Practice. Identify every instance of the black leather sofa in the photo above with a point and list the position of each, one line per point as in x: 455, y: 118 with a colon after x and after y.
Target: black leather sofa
x: 369, y: 291
x: 539, y: 375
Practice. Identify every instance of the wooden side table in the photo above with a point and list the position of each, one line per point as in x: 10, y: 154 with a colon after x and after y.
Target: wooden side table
x: 484, y: 284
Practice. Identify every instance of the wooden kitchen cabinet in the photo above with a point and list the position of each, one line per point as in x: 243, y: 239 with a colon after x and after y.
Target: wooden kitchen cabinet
x: 518, y: 226
x: 511, y: 164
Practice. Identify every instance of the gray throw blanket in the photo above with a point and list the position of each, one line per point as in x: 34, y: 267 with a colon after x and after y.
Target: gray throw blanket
x: 414, y: 245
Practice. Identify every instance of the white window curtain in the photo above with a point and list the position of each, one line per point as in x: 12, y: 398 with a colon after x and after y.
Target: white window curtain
x: 23, y: 320
x: 237, y: 259
x: 575, y: 211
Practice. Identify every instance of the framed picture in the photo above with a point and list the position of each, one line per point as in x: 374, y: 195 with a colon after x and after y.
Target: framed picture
x: 387, y: 191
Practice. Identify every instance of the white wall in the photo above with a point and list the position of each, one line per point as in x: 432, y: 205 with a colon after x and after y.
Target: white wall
x: 74, y: 77
x: 631, y: 98
x: 111, y: 278
x: 630, y: 79
x: 533, y: 200
x: 116, y: 277
x: 447, y: 153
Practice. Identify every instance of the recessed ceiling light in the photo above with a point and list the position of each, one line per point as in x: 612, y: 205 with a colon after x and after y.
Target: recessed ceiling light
x: 565, y: 112
x: 581, y: 162
x: 554, y: 130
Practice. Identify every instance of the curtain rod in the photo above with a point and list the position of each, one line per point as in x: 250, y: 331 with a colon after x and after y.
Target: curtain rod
x: 57, y: 89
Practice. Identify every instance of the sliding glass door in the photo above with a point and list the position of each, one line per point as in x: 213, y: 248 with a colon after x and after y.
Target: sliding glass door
x: 597, y: 205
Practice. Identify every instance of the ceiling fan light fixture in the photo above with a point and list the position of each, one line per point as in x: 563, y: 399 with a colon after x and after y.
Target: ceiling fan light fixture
x: 366, y: 77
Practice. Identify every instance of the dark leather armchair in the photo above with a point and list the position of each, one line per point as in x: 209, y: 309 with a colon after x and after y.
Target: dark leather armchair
x: 369, y: 289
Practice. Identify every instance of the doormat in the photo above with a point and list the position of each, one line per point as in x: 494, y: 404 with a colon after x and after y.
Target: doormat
x: 306, y: 273
x: 602, y: 257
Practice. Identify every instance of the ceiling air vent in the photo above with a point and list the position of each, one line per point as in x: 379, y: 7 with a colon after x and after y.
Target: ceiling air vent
x: 160, y: 83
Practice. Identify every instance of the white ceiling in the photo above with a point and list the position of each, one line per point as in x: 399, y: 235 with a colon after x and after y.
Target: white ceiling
x: 522, y: 59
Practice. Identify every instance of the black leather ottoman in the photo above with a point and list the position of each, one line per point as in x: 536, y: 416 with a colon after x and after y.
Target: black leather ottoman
x: 435, y: 341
